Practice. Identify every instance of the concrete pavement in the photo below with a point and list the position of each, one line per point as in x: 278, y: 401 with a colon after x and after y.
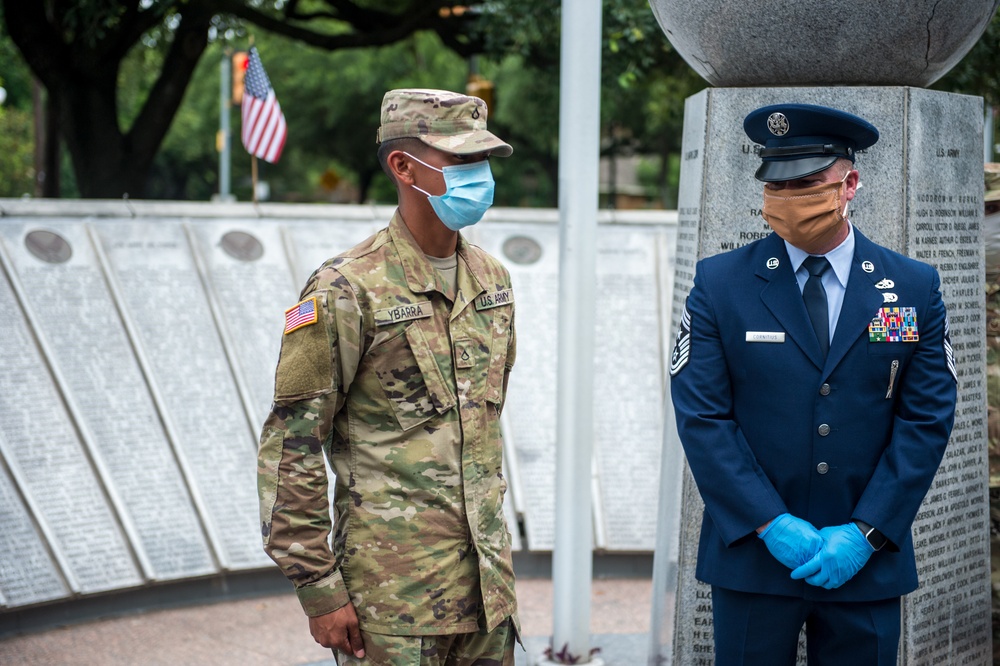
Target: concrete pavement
x: 271, y: 630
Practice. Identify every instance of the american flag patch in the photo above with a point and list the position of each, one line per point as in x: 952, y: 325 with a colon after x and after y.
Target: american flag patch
x: 894, y: 325
x: 300, y: 315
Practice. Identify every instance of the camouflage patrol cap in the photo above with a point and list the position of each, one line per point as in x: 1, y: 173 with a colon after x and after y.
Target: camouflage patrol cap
x: 992, y: 175
x: 451, y: 122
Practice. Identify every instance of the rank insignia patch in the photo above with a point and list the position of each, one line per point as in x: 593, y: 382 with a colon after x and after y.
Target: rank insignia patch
x: 949, y: 352
x: 682, y: 345
x: 300, y: 315
x: 894, y: 325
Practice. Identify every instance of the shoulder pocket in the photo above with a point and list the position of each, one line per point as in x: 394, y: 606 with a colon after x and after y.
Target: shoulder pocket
x: 305, y: 367
x: 498, y: 355
x: 268, y: 460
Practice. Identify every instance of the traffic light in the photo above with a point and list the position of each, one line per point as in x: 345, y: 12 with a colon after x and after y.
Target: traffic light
x: 482, y: 88
x: 240, y: 60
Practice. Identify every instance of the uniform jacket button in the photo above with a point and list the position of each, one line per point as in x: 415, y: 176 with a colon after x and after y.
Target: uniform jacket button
x: 822, y: 468
x: 823, y: 430
x: 824, y: 389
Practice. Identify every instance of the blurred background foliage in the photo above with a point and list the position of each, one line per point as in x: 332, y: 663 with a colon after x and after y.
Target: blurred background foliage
x: 329, y: 71
x: 331, y: 98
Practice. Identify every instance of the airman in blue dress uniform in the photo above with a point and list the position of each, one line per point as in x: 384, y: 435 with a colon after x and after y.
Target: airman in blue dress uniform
x: 814, y: 389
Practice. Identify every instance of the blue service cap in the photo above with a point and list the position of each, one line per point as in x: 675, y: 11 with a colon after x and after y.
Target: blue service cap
x: 803, y: 139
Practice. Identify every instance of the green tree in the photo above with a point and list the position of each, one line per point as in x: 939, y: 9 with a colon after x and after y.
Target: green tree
x: 644, y: 82
x: 187, y: 164
x: 332, y: 103
x: 118, y: 77
x: 77, y: 49
x: 977, y: 73
x: 134, y: 85
x: 17, y: 173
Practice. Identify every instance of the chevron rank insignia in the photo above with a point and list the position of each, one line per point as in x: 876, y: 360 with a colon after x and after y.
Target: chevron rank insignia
x: 682, y: 345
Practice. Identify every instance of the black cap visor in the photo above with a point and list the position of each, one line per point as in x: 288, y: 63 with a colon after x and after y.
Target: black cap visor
x: 774, y: 171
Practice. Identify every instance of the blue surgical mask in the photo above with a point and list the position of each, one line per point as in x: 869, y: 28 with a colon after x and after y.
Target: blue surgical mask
x: 468, y: 196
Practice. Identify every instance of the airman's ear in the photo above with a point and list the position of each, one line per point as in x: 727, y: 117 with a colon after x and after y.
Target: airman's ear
x: 851, y: 184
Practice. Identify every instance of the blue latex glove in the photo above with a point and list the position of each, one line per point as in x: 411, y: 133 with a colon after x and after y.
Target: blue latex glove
x: 791, y: 540
x: 845, y: 550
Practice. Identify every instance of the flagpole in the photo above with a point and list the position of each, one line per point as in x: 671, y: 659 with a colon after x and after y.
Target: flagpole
x: 253, y: 158
x: 253, y: 177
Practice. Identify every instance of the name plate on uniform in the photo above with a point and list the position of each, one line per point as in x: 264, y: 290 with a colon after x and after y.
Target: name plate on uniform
x: 765, y: 336
x: 405, y: 312
x: 495, y: 299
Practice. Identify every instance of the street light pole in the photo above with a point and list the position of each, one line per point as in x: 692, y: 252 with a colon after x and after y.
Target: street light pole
x: 225, y: 136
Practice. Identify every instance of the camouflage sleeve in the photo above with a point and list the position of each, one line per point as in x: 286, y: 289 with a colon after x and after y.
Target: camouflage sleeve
x: 511, y: 357
x: 317, y: 362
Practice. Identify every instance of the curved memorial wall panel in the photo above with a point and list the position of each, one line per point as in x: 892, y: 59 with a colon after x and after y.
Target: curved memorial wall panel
x: 139, y: 345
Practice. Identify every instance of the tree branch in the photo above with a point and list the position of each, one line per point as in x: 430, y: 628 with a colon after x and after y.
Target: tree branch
x: 372, y: 28
x: 38, y: 40
x: 190, y: 41
x: 135, y: 23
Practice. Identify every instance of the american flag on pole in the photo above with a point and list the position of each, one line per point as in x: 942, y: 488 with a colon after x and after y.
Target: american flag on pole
x: 264, y: 130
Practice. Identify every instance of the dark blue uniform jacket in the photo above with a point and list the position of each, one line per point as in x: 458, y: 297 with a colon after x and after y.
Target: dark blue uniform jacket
x: 770, y: 427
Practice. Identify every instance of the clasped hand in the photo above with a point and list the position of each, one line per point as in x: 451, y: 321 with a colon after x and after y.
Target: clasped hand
x: 845, y: 550
x: 825, y: 558
x: 791, y: 540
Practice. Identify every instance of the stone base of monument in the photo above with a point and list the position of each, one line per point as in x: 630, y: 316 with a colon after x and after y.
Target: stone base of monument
x: 921, y: 195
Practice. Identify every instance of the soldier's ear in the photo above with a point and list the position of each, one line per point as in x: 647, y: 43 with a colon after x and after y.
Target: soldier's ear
x: 401, y: 166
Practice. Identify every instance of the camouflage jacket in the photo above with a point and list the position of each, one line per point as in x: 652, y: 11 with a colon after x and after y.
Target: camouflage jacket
x: 403, y: 389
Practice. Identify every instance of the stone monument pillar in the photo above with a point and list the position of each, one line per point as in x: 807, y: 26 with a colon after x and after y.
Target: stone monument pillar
x: 921, y: 195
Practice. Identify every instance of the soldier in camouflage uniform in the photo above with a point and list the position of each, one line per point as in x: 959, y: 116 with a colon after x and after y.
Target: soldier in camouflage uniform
x: 395, y: 364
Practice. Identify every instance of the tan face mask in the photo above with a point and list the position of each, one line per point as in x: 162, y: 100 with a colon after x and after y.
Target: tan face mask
x: 809, y: 218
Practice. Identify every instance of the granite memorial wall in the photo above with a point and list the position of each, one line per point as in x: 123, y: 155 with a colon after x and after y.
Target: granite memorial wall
x: 139, y: 344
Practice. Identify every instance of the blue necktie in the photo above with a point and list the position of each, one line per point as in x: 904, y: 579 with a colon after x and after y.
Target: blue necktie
x: 814, y: 296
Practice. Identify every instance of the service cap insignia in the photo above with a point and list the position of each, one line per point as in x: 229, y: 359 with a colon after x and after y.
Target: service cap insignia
x: 778, y: 124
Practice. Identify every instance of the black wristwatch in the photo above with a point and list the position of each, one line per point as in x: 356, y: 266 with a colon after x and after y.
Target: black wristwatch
x: 874, y: 538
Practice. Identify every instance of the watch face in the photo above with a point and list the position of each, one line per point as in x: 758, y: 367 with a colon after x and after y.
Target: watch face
x: 875, y: 539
